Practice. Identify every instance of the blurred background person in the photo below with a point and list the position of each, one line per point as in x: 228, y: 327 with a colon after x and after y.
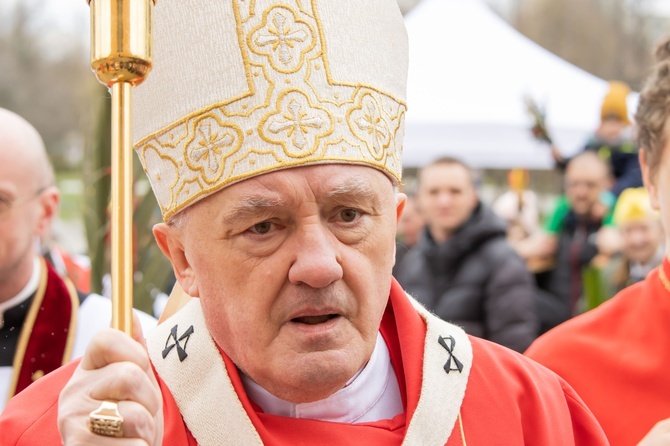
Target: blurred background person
x: 616, y: 356
x: 409, y: 228
x: 579, y: 229
x: 613, y: 140
x: 518, y: 207
x: 642, y: 241
x: 462, y: 267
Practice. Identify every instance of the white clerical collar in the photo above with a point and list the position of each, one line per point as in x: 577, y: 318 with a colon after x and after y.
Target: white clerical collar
x: 24, y: 294
x: 371, y: 395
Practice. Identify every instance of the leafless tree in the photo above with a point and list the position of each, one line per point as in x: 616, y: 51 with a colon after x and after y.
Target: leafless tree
x: 608, y: 38
x: 48, y: 88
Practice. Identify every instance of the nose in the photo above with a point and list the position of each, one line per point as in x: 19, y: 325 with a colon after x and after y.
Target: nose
x: 636, y: 239
x: 317, y: 261
x: 444, y: 199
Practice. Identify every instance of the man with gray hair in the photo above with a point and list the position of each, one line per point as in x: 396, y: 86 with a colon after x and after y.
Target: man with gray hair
x: 283, y: 148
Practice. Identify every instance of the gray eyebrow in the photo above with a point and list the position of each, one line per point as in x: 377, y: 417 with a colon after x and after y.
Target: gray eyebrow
x: 354, y: 186
x: 251, y: 204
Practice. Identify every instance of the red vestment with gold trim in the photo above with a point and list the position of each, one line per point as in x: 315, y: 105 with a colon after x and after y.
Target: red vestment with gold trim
x: 47, y: 335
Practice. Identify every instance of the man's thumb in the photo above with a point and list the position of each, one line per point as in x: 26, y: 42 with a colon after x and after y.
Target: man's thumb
x: 138, y: 335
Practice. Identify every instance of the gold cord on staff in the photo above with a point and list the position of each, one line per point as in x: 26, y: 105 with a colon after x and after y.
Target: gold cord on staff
x: 121, y: 59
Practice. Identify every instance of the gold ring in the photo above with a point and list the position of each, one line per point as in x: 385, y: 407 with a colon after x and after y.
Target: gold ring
x: 106, y: 420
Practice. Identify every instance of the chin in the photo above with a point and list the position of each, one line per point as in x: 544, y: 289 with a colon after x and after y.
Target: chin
x: 315, y: 378
x: 640, y: 258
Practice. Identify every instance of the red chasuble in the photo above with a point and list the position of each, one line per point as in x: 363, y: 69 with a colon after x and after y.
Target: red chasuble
x: 509, y: 400
x: 617, y: 357
x: 47, y: 335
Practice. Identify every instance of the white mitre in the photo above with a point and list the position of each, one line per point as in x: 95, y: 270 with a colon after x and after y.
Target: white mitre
x: 244, y: 87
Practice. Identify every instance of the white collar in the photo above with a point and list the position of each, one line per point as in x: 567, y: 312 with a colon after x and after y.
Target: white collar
x: 24, y: 294
x: 371, y: 395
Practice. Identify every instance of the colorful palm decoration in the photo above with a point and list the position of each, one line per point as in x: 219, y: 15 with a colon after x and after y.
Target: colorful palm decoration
x: 539, y: 129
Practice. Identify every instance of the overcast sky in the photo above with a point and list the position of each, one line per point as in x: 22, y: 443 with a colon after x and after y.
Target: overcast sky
x: 58, y: 20
x: 72, y: 16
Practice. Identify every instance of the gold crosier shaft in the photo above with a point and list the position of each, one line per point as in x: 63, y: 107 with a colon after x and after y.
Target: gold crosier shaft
x: 121, y: 59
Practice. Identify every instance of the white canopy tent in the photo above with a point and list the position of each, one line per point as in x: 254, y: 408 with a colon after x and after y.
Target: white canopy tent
x: 469, y: 73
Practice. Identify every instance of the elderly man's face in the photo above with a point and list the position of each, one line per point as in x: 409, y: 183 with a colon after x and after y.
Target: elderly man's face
x: 293, y: 269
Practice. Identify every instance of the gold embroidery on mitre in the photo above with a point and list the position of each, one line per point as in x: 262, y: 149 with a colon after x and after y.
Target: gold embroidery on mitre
x: 210, y: 144
x: 294, y: 114
x: 369, y: 125
x: 283, y: 38
x: 296, y: 124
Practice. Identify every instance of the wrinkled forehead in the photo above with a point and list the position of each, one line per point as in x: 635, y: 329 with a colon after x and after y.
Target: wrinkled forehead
x: 290, y: 187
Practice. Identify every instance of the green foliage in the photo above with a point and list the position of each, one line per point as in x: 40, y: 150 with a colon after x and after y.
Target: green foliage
x: 152, y: 270
x: 595, y: 290
x: 97, y: 191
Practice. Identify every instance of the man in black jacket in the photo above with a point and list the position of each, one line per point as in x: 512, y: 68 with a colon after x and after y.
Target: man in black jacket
x: 462, y: 268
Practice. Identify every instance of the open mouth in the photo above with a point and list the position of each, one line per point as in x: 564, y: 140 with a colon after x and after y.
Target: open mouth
x: 314, y: 320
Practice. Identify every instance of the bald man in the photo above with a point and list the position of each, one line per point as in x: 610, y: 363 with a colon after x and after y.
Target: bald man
x: 44, y: 322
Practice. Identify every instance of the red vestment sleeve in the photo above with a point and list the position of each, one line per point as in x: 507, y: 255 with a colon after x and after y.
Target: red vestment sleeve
x: 30, y: 417
x: 585, y: 428
x: 616, y: 358
x: 518, y: 401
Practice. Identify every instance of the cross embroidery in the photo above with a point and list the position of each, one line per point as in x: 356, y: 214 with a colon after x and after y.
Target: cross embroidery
x: 371, y: 123
x: 210, y: 146
x: 181, y: 351
x: 297, y: 124
x: 281, y: 37
x: 450, y: 350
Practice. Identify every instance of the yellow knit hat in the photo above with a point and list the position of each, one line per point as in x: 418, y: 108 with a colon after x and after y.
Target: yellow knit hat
x: 633, y: 205
x: 240, y: 88
x: 614, y: 103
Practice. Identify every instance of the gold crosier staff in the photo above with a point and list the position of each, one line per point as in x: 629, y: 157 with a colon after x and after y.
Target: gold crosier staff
x: 121, y: 59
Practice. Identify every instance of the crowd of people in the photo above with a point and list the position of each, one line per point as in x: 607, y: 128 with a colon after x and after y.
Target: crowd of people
x: 502, y: 273
x: 316, y: 302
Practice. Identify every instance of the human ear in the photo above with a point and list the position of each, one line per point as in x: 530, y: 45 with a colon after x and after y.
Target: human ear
x: 649, y: 180
x: 401, y: 201
x: 49, y: 200
x: 170, y: 243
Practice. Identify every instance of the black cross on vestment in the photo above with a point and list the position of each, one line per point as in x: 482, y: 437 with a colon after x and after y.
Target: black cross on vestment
x: 181, y: 351
x: 450, y: 350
